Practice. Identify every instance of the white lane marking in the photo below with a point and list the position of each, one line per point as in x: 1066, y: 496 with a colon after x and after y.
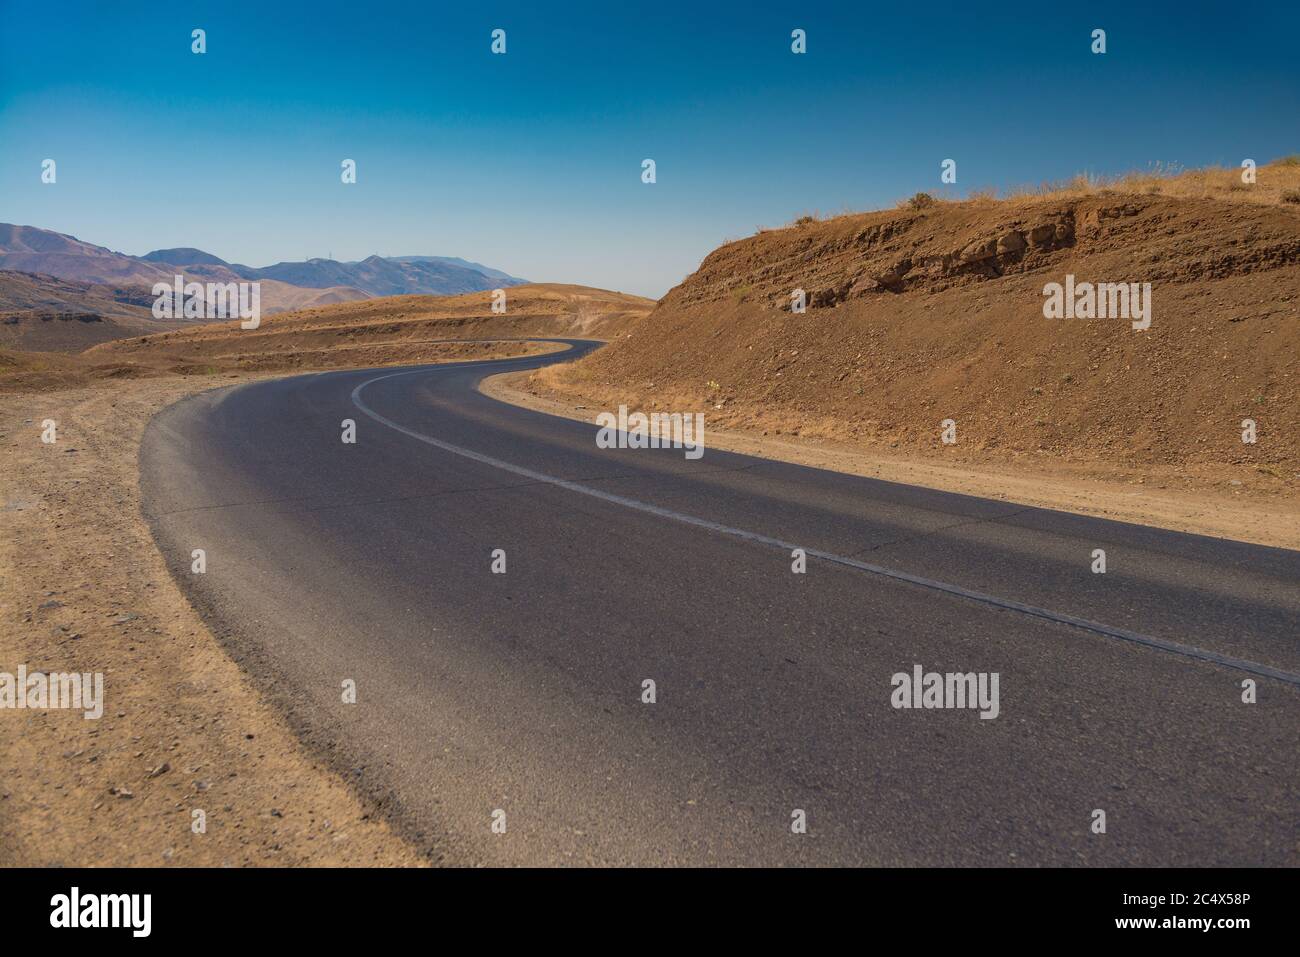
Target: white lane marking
x: 1173, y: 647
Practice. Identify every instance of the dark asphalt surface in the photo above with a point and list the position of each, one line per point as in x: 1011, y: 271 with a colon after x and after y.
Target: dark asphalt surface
x: 523, y: 691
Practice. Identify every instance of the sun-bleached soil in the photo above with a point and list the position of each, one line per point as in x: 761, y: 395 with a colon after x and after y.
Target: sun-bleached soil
x: 83, y: 588
x: 396, y: 330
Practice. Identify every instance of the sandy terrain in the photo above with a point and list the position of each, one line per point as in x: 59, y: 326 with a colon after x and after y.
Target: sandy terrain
x: 85, y: 590
x: 1185, y: 500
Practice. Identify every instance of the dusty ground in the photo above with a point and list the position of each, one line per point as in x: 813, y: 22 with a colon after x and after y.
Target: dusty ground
x: 387, y: 331
x: 43, y: 371
x: 1184, y: 499
x: 82, y: 588
x: 396, y: 330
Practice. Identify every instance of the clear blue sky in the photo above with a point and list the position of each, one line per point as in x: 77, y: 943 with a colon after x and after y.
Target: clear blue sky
x: 530, y: 162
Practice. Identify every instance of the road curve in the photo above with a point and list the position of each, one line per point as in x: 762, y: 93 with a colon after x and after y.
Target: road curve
x: 522, y: 693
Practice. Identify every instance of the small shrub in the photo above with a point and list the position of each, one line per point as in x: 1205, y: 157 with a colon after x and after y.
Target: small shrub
x: 920, y: 201
x: 1291, y: 196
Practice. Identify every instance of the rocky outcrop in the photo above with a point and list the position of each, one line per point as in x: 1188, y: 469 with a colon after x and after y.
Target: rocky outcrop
x: 948, y: 245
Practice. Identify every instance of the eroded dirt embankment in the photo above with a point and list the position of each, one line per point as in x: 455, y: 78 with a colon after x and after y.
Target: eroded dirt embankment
x: 917, y: 316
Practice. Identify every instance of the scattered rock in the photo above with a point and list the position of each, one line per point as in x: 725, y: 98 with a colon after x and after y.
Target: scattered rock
x: 979, y: 250
x: 1012, y: 242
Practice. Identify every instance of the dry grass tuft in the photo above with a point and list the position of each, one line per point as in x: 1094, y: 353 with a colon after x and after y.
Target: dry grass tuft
x: 1273, y: 183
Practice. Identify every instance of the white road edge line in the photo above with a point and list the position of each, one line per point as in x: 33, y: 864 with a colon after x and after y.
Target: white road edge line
x: 1161, y: 644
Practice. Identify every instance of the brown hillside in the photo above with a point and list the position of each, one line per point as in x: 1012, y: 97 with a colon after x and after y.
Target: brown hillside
x: 917, y: 315
x: 41, y: 313
x: 68, y: 331
x: 385, y: 331
x: 45, y: 314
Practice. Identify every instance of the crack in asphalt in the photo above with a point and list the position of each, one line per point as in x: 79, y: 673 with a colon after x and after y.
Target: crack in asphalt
x: 908, y: 539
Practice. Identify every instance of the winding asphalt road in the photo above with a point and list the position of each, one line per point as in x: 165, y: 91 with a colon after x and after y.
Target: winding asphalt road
x: 523, y: 692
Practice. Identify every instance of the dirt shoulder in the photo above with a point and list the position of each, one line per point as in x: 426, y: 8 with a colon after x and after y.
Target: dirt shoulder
x: 82, y: 588
x: 1187, y: 499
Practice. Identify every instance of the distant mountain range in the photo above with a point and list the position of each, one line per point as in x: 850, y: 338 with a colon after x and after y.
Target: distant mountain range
x: 33, y: 250
x: 67, y: 278
x: 377, y: 275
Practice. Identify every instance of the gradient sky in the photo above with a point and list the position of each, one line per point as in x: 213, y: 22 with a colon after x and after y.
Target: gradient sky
x: 531, y: 162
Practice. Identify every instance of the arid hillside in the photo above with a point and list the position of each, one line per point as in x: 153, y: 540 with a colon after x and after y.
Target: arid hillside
x: 935, y: 311
x: 44, y: 314
x: 385, y: 331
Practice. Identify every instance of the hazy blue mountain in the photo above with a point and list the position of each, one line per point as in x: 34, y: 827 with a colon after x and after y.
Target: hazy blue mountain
x: 31, y: 249
x: 384, y: 277
x: 464, y: 263
x: 184, y: 256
